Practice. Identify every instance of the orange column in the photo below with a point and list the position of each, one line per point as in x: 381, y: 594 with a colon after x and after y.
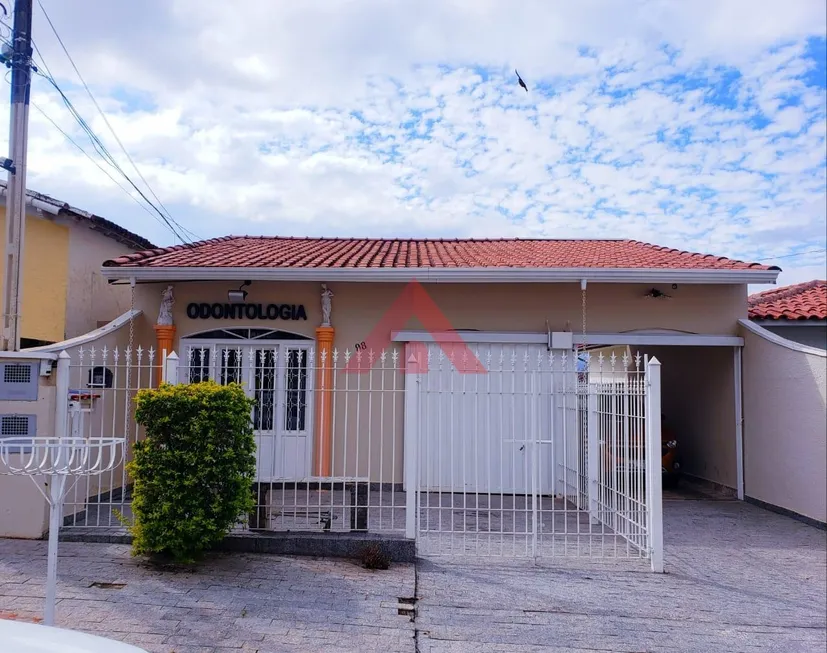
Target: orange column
x: 164, y: 334
x: 323, y: 442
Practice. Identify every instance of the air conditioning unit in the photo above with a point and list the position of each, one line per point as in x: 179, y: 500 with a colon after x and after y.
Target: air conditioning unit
x: 16, y: 430
x: 19, y: 381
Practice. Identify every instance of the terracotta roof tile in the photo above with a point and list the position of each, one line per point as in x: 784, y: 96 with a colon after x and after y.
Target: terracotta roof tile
x: 803, y: 301
x: 265, y: 251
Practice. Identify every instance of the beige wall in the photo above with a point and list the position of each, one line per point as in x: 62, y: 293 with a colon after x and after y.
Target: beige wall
x: 526, y: 307
x: 698, y: 400
x: 358, y: 307
x: 785, y: 426
x: 149, y: 298
x: 64, y: 294
x: 90, y: 300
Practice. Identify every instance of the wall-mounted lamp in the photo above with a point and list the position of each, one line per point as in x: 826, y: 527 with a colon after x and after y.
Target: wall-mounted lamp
x: 240, y: 295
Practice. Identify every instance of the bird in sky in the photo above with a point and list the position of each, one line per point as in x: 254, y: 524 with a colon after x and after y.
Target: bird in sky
x: 520, y: 79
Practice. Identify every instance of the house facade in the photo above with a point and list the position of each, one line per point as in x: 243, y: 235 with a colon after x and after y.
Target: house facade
x: 506, y: 395
x: 505, y: 298
x: 64, y: 294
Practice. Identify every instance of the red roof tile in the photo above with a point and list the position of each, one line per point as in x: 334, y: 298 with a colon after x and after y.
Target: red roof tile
x: 279, y: 252
x: 803, y: 301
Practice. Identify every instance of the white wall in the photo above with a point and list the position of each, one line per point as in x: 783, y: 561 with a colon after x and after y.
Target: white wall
x: 90, y: 299
x: 785, y: 423
x: 698, y: 400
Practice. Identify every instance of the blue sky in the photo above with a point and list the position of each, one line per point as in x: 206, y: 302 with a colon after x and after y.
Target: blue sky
x: 692, y: 125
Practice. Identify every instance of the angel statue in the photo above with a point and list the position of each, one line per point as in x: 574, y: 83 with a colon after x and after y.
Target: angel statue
x: 165, y: 314
x: 326, y: 296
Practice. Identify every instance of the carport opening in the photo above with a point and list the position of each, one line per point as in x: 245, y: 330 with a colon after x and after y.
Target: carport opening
x: 698, y: 407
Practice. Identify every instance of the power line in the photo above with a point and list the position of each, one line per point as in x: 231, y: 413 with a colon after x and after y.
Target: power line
x: 42, y: 58
x: 109, y: 126
x: 812, y: 251
x: 103, y: 151
x: 99, y: 166
x: 103, y: 115
x: 101, y: 148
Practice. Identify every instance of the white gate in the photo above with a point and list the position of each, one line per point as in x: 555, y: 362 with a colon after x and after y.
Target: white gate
x: 534, y: 453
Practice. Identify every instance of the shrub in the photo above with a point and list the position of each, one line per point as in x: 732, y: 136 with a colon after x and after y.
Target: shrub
x: 193, y: 471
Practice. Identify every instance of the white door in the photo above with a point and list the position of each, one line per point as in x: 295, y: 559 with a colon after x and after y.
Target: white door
x: 278, y: 378
x: 293, y: 409
x: 490, y: 432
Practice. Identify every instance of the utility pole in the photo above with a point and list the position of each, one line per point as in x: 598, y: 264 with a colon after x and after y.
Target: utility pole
x: 21, y: 77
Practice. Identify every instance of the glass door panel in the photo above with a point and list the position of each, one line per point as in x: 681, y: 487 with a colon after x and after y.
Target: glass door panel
x: 295, y: 390
x: 264, y: 386
x: 231, y: 363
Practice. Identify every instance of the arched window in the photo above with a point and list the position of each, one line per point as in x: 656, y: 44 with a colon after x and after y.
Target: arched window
x: 246, y: 334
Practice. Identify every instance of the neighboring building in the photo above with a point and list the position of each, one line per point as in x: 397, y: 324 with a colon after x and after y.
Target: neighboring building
x: 797, y: 313
x: 63, y: 293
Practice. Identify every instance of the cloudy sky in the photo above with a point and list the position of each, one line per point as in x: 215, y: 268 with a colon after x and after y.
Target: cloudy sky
x: 698, y: 125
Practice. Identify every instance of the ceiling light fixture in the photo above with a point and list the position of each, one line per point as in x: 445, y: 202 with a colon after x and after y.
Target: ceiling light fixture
x: 654, y: 293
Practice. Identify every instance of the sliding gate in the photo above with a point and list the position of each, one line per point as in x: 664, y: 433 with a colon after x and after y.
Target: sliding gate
x: 525, y: 451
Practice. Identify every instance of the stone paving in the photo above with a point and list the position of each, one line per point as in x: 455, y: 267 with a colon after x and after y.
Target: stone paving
x: 738, y: 578
x: 234, y: 602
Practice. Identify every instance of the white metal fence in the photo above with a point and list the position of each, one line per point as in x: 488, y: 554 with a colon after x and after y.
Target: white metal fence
x: 102, y: 387
x: 328, y: 430
x: 543, y: 453
x: 524, y: 452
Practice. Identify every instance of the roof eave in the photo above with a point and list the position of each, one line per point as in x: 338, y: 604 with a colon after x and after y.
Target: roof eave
x: 443, y: 275
x: 110, y: 229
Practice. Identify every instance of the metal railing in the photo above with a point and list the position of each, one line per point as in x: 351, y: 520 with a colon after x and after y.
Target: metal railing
x: 328, y: 431
x: 102, y: 387
x: 542, y: 454
x: 520, y: 452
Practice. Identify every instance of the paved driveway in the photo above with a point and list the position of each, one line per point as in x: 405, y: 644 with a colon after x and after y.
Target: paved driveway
x: 739, y: 579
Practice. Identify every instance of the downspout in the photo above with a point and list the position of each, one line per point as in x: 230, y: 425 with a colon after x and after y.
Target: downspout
x: 739, y: 422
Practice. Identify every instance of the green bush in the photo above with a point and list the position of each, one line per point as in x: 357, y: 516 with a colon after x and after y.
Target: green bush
x: 193, y: 471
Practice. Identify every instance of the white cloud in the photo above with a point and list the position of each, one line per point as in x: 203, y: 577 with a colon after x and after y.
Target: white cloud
x: 692, y: 125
